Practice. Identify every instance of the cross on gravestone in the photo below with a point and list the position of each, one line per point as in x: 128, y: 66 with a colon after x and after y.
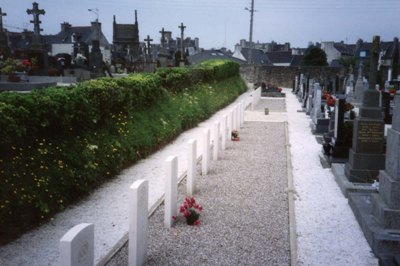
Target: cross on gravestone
x: 148, y: 40
x: 1, y: 19
x: 182, y: 27
x: 162, y: 38
x: 35, y: 11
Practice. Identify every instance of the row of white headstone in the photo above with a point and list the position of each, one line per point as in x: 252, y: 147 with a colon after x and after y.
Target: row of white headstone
x: 77, y: 245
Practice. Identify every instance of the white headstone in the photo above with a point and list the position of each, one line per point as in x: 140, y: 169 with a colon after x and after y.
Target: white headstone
x: 138, y: 222
x: 223, y: 131
x: 77, y: 246
x: 216, y: 140
x: 191, y: 169
x: 205, y: 161
x: 317, y: 103
x: 171, y: 190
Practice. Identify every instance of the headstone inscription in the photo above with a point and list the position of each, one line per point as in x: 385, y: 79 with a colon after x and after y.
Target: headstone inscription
x: 367, y: 157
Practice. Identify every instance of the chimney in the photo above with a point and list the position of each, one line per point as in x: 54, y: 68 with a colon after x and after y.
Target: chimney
x: 65, y: 26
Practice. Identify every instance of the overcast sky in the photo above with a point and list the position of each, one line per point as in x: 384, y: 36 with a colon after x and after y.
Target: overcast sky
x: 219, y: 23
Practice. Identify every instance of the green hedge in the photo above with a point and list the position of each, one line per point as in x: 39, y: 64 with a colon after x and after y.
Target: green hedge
x: 59, y: 144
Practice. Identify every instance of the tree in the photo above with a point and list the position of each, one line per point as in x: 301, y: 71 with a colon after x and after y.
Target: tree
x: 314, y: 56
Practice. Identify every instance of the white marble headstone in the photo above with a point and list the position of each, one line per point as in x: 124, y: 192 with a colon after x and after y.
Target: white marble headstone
x: 77, y: 246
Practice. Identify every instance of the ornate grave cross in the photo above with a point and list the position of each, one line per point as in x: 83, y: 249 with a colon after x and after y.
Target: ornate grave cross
x: 35, y: 11
x: 1, y: 19
x: 162, y: 37
x: 148, y: 40
x: 182, y: 27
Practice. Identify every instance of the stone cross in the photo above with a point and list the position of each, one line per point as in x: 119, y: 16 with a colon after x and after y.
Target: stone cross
x: 182, y: 27
x: 148, y: 40
x: 1, y: 19
x: 162, y: 38
x: 35, y: 11
x: 374, y: 62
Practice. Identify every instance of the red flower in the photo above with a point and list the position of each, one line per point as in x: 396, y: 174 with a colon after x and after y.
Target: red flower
x: 197, y: 222
x: 200, y: 208
x: 174, y: 218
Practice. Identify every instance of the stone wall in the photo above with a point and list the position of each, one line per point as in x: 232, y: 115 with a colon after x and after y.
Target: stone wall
x: 283, y: 76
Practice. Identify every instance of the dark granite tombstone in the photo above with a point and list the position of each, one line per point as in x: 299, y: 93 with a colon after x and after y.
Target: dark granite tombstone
x: 387, y: 99
x: 379, y: 214
x: 307, y: 88
x: 367, y: 156
x: 341, y: 142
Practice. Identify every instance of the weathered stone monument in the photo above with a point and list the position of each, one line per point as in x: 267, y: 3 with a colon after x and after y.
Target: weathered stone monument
x: 182, y: 57
x: 359, y: 88
x: 379, y: 214
x: 163, y: 54
x: 4, y: 49
x: 367, y: 156
x: 148, y: 64
x: 36, y: 48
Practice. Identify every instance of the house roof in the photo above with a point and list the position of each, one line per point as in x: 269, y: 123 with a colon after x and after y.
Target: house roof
x: 280, y: 57
x: 285, y: 57
x: 258, y: 56
x: 211, y: 54
x: 296, y: 60
x: 345, y: 49
x: 85, y: 33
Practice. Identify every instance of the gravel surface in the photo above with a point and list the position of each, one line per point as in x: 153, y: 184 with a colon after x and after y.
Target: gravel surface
x: 245, y: 216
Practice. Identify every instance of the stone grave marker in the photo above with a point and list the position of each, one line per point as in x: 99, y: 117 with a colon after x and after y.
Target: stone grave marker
x: 359, y: 88
x: 138, y: 222
x: 171, y: 190
x: 367, y: 156
x: 379, y: 214
x: 77, y: 246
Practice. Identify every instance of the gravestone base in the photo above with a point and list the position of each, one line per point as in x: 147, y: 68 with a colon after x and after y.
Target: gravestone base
x: 364, y: 167
x: 320, y: 126
x: 274, y: 94
x: 384, y: 242
x: 345, y: 185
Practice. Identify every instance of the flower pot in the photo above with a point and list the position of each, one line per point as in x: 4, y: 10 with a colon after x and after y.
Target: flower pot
x: 266, y: 111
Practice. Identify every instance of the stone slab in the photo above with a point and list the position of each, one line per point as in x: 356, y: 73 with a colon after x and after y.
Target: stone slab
x: 345, y: 185
x: 384, y: 242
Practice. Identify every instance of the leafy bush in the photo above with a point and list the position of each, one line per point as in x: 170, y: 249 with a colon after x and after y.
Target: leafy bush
x: 59, y: 144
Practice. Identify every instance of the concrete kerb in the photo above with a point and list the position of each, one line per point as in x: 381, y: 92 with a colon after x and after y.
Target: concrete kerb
x: 291, y: 191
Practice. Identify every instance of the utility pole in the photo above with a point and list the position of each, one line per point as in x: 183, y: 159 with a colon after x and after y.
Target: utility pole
x: 251, y: 31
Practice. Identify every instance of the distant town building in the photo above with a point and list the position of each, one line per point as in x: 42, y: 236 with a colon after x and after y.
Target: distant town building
x: 77, y: 41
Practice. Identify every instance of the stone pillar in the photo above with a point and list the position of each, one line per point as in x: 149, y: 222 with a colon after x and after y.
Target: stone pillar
x: 367, y: 156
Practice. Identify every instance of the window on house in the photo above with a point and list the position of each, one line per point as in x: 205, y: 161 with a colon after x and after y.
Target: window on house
x: 363, y: 54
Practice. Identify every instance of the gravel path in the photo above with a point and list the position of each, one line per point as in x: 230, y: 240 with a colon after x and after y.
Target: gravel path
x: 245, y: 216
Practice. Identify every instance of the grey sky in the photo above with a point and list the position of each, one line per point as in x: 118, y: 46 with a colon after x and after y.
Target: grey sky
x: 224, y: 22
